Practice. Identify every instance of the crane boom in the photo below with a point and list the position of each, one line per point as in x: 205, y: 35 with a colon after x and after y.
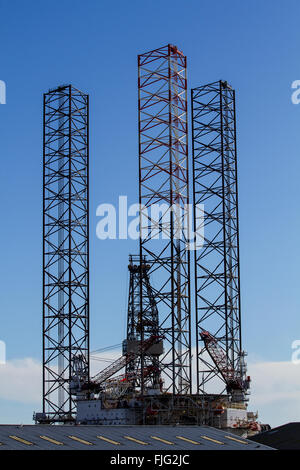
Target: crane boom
x: 122, y: 361
x: 233, y: 378
x: 218, y: 356
x: 117, y: 365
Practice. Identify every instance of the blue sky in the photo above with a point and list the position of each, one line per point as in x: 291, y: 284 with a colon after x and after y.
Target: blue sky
x: 93, y: 45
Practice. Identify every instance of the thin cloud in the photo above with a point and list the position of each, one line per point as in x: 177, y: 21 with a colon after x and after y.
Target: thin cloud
x: 21, y: 380
x: 275, y: 387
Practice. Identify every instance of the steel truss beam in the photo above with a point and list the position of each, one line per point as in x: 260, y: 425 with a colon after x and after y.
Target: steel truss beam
x: 163, y: 180
x: 65, y: 246
x: 217, y: 272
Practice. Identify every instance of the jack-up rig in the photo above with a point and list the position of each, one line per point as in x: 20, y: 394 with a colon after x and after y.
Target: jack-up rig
x: 151, y: 382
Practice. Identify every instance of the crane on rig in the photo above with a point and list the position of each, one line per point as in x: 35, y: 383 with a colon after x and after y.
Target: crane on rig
x: 237, y: 383
x: 100, y: 380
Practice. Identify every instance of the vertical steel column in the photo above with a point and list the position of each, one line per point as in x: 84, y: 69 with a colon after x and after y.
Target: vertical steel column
x: 163, y: 196
x: 65, y: 246
x: 217, y: 274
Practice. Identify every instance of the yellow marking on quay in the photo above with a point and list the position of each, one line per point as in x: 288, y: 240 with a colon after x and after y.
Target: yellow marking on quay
x: 162, y: 440
x: 106, y: 439
x: 187, y: 440
x: 237, y: 440
x: 53, y: 441
x: 136, y: 440
x: 212, y: 440
x: 87, y: 443
x: 23, y: 441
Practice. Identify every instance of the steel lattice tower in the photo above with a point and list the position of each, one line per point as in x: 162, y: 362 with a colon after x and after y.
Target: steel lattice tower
x: 163, y: 181
x: 143, y: 323
x: 65, y: 246
x: 217, y: 272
